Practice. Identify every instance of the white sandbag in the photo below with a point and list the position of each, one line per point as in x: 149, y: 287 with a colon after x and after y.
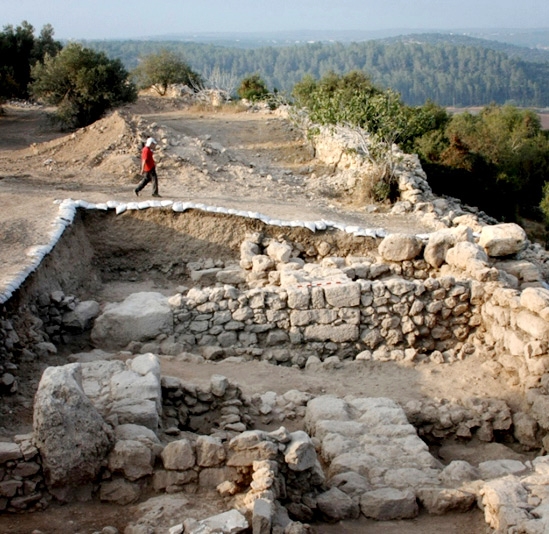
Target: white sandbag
x: 121, y: 208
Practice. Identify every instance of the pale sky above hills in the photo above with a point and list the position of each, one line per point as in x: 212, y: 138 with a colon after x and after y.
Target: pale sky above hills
x: 118, y: 19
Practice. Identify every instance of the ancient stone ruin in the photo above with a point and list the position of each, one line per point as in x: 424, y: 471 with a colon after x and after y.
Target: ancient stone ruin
x: 108, y: 425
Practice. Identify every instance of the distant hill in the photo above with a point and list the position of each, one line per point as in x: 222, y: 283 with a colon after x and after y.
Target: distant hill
x: 527, y: 38
x: 540, y: 55
x: 451, y: 70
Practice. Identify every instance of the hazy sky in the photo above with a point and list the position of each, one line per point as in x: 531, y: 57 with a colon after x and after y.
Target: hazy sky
x: 112, y: 19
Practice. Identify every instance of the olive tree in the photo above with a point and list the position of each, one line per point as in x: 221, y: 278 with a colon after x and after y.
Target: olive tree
x: 164, y: 68
x: 82, y: 83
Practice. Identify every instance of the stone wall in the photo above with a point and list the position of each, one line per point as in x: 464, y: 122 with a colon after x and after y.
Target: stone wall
x: 22, y: 484
x: 204, y: 446
x: 386, y: 319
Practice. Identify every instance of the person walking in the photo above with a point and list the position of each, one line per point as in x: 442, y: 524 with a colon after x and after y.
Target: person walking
x: 148, y: 167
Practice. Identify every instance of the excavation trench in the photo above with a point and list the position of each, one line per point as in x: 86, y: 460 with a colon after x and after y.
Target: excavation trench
x: 269, y: 326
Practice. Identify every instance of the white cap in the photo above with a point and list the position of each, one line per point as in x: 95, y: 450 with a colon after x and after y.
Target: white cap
x: 151, y: 141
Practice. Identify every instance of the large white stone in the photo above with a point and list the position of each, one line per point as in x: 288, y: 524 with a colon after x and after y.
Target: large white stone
x: 342, y: 295
x: 464, y: 253
x: 280, y: 252
x: 229, y: 522
x: 503, y: 239
x: 178, y: 455
x: 126, y: 393
x: 441, y: 241
x: 300, y: 453
x: 400, y: 247
x: 142, y: 316
x: 387, y: 504
x: 534, y: 299
x: 338, y: 334
x: 505, y: 503
x: 72, y: 437
x: 131, y: 458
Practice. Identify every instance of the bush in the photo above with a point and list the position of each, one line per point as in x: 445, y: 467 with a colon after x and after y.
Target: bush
x: 83, y: 84
x: 253, y: 88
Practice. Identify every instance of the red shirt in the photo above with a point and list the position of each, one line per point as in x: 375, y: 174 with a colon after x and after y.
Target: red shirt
x: 147, y: 159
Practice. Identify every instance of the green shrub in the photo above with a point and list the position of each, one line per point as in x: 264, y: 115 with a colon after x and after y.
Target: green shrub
x: 253, y: 88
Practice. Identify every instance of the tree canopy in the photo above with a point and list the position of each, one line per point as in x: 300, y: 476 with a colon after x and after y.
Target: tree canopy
x: 82, y: 83
x: 20, y: 50
x: 160, y: 70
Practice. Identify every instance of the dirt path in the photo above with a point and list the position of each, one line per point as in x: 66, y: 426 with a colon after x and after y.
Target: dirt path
x: 259, y: 162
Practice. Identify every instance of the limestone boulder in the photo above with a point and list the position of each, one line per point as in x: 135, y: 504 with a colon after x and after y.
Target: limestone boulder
x: 464, y: 254
x: 400, y: 247
x: 326, y: 407
x: 499, y: 468
x: 534, y: 299
x: 300, y: 453
x: 457, y: 472
x: 351, y: 483
x: 140, y: 317
x: 119, y: 491
x: 229, y: 522
x: 179, y: 455
x: 540, y: 411
x: 209, y: 451
x: 503, y: 239
x: 138, y: 433
x: 126, y: 393
x: 248, y: 249
x: 505, y: 504
x: 72, y: 437
x: 279, y: 252
x: 441, y: 241
x: 439, y: 501
x: 132, y: 459
x: 338, y: 334
x: 342, y: 295
x: 80, y: 319
x: 387, y: 504
x: 525, y: 430
x: 335, y: 505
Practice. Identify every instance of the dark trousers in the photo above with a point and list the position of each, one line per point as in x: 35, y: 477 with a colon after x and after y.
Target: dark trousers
x: 150, y: 176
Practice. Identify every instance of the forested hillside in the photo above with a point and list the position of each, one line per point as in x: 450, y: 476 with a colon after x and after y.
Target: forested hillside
x: 449, y: 73
x: 538, y: 55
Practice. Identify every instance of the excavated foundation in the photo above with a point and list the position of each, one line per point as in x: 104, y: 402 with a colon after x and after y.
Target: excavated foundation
x: 123, y: 293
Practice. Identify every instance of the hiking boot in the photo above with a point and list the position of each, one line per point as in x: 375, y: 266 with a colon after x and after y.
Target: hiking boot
x: 156, y: 195
x: 136, y: 192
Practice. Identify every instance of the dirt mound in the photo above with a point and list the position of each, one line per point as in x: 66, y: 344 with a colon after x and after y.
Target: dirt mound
x: 114, y: 137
